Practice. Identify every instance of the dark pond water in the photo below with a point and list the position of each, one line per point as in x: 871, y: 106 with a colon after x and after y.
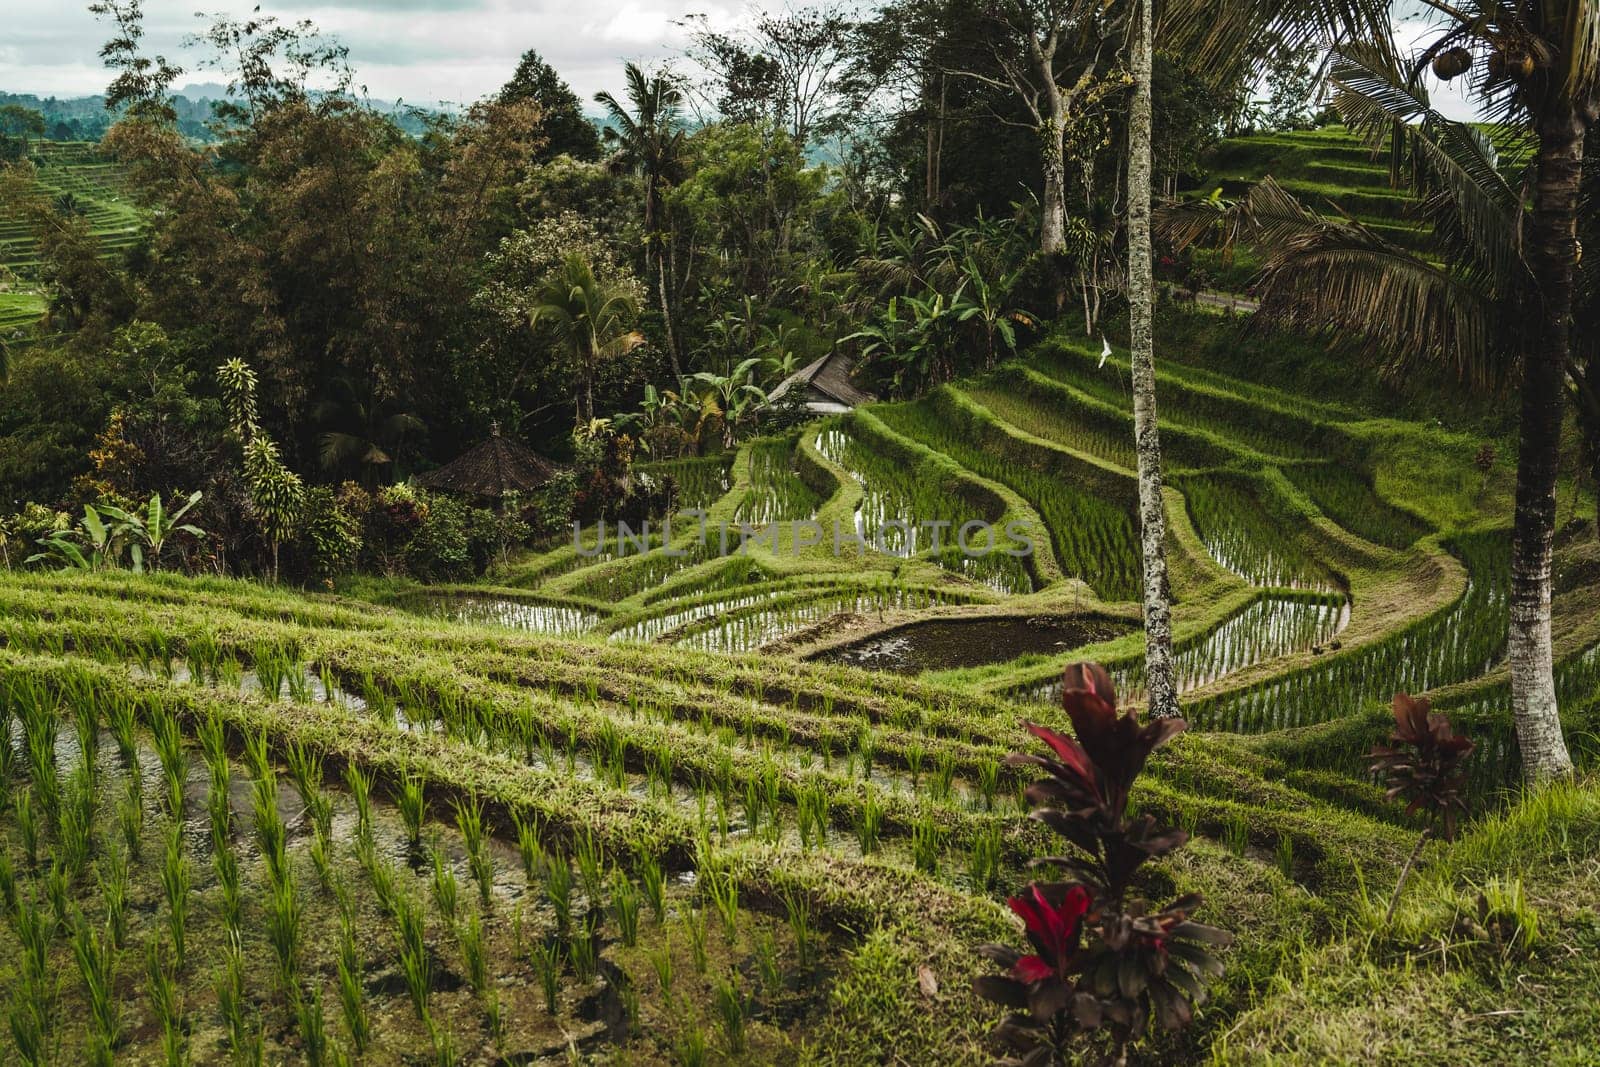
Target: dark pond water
x: 944, y: 644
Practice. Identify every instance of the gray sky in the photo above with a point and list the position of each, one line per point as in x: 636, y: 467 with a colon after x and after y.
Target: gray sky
x: 420, y: 50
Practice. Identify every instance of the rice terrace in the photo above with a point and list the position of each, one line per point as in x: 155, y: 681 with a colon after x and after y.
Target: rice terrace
x: 911, y: 532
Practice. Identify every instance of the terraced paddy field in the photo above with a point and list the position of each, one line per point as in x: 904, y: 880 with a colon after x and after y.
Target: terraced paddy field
x: 1329, y: 170
x: 616, y: 803
x: 78, y: 180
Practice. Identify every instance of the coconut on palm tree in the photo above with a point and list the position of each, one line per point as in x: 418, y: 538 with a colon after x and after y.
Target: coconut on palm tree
x: 649, y: 137
x: 592, y: 320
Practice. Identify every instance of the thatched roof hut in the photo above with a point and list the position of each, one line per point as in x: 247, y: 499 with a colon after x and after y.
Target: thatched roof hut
x: 494, y: 469
x: 825, y: 385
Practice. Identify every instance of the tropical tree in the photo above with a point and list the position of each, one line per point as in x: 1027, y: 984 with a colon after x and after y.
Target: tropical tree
x: 370, y: 431
x: 735, y: 396
x: 592, y: 321
x: 1535, y: 67
x: 1046, y: 59
x: 277, y: 495
x: 649, y: 137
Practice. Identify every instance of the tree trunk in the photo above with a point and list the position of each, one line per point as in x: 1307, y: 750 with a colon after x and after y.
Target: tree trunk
x: 1552, y: 251
x: 1141, y: 296
x: 666, y: 314
x: 1052, y: 223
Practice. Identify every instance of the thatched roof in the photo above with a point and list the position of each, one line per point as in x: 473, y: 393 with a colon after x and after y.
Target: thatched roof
x: 825, y: 384
x: 492, y: 469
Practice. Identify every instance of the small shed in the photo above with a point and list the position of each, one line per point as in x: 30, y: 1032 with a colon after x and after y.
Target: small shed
x: 498, y: 467
x: 825, y: 384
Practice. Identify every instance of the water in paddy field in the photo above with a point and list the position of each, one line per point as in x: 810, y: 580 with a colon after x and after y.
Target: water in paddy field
x: 946, y: 644
x: 889, y: 516
x: 750, y: 630
x: 657, y: 625
x: 556, y: 619
x: 1266, y: 629
x: 1457, y: 644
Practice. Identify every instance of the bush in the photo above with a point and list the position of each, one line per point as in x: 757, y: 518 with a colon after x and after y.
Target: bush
x: 330, y: 541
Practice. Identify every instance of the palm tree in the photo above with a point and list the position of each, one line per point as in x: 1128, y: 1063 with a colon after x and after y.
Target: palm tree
x: 650, y: 139
x: 1536, y: 66
x: 591, y: 319
x: 1158, y: 660
x: 372, y: 432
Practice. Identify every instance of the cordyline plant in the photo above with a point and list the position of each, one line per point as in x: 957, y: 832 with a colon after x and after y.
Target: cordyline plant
x: 1102, y: 961
x: 1422, y: 765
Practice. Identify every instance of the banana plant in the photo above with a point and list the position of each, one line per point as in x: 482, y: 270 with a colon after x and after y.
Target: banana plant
x: 985, y: 305
x: 151, y: 530
x: 92, y: 545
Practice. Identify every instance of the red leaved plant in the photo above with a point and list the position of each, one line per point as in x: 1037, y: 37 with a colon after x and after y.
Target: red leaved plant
x: 1102, y: 961
x: 1423, y: 764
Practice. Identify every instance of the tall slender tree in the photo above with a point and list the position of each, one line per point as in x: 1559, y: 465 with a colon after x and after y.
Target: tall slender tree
x: 1159, y: 673
x: 649, y: 136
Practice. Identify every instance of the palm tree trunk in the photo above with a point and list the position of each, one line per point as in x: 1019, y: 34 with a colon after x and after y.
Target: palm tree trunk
x: 1552, y: 254
x: 666, y: 313
x: 1147, y: 438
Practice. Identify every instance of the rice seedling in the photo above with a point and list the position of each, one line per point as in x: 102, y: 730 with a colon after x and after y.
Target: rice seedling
x: 625, y: 906
x: 469, y: 820
x: 983, y: 858
x: 445, y: 886
x: 58, y: 893
x: 927, y: 842
x: 988, y: 781
x: 653, y: 880
x: 77, y: 823
x: 86, y: 723
x: 797, y: 909
x: 359, y: 783
x: 244, y: 1040
x: 352, y: 998
x: 284, y: 918
x: 39, y: 737
x: 270, y: 832
x: 529, y: 847
x: 1284, y: 855
x: 444, y: 1047
x: 694, y: 924
x: 312, y: 1026
x: 169, y: 749
x: 113, y: 888
x: 732, y: 1009
x: 1236, y: 835
x: 415, y: 964
x: 28, y: 826
x: 130, y: 820
x: 590, y: 869
x: 121, y: 722
x: 767, y: 967
x: 162, y: 984
x: 724, y: 891
x: 413, y: 806
x: 96, y: 958
x: 474, y: 955
x: 8, y: 886
x: 547, y: 963
x: 558, y: 890
x: 585, y: 948
x: 869, y: 824
x: 691, y: 1048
